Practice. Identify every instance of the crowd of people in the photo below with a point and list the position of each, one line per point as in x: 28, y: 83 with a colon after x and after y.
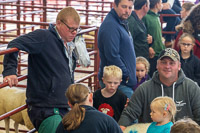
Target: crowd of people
x: 143, y: 79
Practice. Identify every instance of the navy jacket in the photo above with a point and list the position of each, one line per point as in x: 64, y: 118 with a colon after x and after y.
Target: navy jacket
x: 48, y: 69
x: 94, y: 122
x: 191, y: 67
x: 116, y: 48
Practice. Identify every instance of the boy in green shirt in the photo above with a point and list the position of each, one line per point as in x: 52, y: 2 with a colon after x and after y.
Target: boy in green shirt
x: 152, y: 23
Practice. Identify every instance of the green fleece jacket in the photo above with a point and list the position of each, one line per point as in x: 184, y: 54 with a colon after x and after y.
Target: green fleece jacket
x: 139, y: 35
x: 152, y: 23
x: 184, y: 91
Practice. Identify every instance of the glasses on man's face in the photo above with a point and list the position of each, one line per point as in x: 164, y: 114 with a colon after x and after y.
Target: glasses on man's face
x: 186, y: 44
x: 72, y: 29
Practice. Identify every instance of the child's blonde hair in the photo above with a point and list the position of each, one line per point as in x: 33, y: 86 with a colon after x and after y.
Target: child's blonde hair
x: 165, y: 104
x: 112, y: 71
x: 186, y: 35
x: 144, y: 61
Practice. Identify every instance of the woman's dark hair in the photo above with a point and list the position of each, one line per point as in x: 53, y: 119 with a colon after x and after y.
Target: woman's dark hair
x: 187, y: 5
x: 194, y: 20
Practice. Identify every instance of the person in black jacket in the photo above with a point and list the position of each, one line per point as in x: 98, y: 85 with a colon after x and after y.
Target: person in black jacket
x: 83, y: 118
x: 190, y: 63
x: 50, y: 66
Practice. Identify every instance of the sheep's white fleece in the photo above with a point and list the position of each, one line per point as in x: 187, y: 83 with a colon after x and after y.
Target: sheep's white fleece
x: 137, y: 128
x: 11, y: 98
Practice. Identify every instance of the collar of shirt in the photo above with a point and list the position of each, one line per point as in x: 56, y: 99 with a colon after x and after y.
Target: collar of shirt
x: 58, y: 33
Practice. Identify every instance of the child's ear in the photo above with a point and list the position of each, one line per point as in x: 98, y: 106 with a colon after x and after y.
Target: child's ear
x: 193, y: 44
x: 165, y: 114
x: 103, y: 80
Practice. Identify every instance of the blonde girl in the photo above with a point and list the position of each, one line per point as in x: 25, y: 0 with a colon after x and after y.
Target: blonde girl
x: 142, y: 69
x: 83, y: 117
x: 163, y: 110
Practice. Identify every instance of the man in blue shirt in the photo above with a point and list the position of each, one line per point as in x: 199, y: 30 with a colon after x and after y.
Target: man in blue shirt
x: 116, y: 46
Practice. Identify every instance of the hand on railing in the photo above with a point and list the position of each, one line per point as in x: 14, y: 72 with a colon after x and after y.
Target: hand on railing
x: 11, y: 80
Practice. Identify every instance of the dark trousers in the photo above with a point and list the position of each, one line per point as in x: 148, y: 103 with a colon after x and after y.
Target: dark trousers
x: 177, y: 7
x: 153, y: 64
x: 38, y: 114
x: 171, y: 21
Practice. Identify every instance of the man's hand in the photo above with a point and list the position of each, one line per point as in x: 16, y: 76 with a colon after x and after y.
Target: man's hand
x: 149, y: 39
x: 11, y: 80
x: 151, y: 52
x: 122, y: 128
x: 127, y: 101
x: 166, y: 6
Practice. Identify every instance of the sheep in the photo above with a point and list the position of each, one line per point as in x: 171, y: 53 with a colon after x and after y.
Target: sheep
x: 11, y: 98
x: 137, y: 128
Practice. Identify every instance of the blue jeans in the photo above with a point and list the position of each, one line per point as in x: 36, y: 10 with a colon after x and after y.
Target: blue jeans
x: 177, y: 6
x: 125, y: 89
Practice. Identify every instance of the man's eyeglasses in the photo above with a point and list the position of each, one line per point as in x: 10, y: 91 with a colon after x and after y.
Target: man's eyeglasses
x: 186, y: 44
x: 71, y: 29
